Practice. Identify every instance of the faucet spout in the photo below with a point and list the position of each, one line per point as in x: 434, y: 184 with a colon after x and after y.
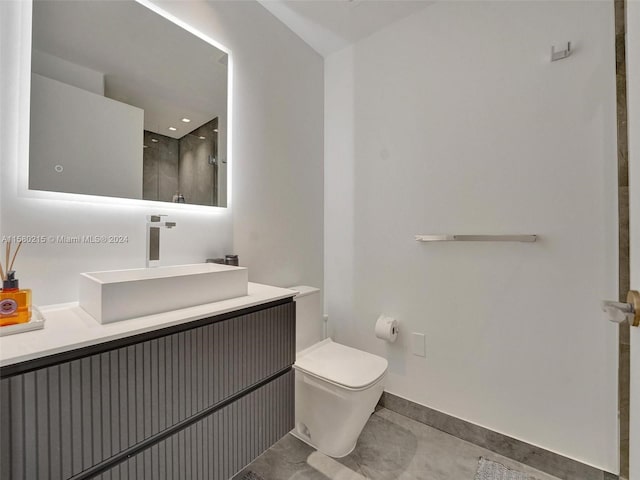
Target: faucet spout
x: 154, y: 224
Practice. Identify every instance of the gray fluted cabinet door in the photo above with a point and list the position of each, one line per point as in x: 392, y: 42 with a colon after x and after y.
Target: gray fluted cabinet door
x: 199, y: 403
x: 220, y: 444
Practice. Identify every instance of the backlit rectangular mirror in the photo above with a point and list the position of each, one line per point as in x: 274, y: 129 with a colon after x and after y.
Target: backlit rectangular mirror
x: 125, y: 103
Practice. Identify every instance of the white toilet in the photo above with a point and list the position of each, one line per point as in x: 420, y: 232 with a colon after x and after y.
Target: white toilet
x: 337, y: 387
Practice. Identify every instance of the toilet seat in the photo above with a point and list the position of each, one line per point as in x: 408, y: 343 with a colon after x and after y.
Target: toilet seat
x: 340, y: 365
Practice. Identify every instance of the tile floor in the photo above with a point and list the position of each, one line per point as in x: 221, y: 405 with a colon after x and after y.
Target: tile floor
x: 391, y: 447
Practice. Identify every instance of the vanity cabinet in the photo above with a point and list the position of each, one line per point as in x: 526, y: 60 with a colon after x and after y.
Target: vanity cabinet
x: 194, y: 401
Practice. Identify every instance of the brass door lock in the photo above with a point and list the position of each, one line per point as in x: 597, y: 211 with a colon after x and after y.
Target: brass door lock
x: 633, y: 299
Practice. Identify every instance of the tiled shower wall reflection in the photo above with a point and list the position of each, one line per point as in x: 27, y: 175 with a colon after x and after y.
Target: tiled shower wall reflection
x: 159, y: 167
x: 198, y: 172
x: 186, y: 166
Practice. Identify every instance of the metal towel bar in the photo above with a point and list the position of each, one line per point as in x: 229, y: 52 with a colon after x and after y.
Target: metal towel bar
x: 476, y: 238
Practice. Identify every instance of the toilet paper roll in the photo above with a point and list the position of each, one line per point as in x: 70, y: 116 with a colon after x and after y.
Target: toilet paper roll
x: 387, y: 328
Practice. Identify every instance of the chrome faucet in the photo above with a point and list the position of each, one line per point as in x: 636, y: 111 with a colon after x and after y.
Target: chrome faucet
x: 154, y: 224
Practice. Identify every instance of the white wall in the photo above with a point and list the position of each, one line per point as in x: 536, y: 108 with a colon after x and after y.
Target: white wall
x: 633, y: 98
x: 67, y: 72
x: 277, y: 140
x: 96, y: 141
x: 454, y: 120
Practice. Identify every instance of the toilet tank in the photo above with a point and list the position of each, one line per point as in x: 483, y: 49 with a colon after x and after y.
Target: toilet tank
x: 309, y: 321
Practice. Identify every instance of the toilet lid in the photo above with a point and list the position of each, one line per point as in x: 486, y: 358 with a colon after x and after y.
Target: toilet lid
x: 341, y: 365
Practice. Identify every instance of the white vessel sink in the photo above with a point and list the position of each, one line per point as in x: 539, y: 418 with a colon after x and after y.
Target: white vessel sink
x: 116, y: 295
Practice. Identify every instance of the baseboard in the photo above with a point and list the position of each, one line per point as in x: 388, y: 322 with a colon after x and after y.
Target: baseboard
x: 536, y: 457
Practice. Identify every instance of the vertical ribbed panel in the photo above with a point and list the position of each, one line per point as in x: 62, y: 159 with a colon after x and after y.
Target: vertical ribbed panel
x: 5, y: 431
x: 221, y: 444
x: 63, y: 419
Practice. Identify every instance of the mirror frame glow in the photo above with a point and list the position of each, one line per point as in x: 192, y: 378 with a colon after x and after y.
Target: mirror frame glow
x: 23, y: 170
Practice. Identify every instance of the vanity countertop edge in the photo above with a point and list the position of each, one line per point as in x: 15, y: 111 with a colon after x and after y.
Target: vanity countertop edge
x: 68, y: 327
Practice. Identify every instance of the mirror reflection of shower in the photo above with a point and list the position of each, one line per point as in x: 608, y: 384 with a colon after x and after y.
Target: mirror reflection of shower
x: 182, y: 170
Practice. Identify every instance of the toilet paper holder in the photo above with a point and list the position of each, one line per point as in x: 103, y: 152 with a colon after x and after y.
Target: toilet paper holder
x: 386, y: 328
x: 620, y: 312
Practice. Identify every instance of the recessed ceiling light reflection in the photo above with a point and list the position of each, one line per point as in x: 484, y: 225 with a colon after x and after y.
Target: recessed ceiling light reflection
x: 173, y: 129
x: 186, y: 120
x: 145, y: 146
x: 215, y: 130
x: 202, y: 138
x: 154, y: 140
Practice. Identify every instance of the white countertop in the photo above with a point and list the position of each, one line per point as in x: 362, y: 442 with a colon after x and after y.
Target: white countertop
x: 68, y: 327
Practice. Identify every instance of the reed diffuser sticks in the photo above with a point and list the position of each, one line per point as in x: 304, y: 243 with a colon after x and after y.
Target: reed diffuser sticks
x: 7, y: 255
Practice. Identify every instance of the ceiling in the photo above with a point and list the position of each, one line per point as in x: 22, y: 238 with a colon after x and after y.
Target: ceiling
x: 331, y: 25
x: 142, y: 56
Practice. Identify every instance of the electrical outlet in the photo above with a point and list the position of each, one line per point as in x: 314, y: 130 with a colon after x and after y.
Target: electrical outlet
x: 418, y: 344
